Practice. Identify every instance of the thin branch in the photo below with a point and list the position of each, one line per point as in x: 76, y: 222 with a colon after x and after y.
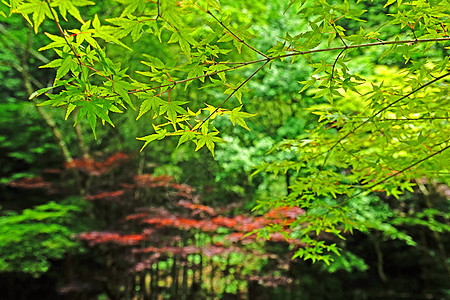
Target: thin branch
x: 367, y: 188
x: 159, y: 13
x: 349, y: 152
x: 337, y: 33
x: 243, y: 64
x: 334, y: 65
x: 405, y: 119
x: 340, y: 53
x: 379, y: 112
x: 403, y: 170
x: 234, y: 91
x: 365, y: 45
x: 235, y: 36
x: 296, y: 53
x: 61, y: 31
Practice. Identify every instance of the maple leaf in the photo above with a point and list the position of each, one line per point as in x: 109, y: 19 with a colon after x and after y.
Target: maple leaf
x: 108, y: 33
x: 214, y: 112
x: 196, y: 70
x: 92, y: 109
x: 58, y: 41
x: 66, y: 65
x: 39, y: 9
x: 151, y: 104
x: 132, y: 6
x: 67, y: 6
x: 184, y: 39
x: 132, y: 26
x: 159, y: 135
x: 153, y: 62
x: 121, y: 87
x: 209, y: 139
x: 172, y: 108
x: 186, y: 135
x: 237, y: 116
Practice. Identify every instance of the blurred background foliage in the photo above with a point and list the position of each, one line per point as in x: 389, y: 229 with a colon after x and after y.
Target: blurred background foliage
x: 38, y: 225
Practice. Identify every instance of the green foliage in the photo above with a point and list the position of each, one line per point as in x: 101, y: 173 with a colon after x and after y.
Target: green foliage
x: 347, y: 262
x: 31, y: 239
x: 378, y: 129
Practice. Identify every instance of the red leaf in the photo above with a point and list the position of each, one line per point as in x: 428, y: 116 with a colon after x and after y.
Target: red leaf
x: 96, y: 237
x: 224, y: 221
x: 92, y: 167
x: 31, y: 183
x: 197, y: 207
x: 136, y: 216
x: 106, y: 196
x: 284, y: 212
x: 147, y: 180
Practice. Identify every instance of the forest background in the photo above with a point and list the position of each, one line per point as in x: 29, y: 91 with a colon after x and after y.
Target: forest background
x: 293, y: 149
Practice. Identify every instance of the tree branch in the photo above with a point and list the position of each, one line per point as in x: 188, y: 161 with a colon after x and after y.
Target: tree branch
x: 65, y: 38
x: 234, y: 91
x: 234, y: 35
x: 399, y: 172
x: 377, y: 113
x: 296, y: 53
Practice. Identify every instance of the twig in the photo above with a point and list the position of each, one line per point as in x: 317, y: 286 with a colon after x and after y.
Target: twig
x: 405, y: 119
x: 403, y: 170
x: 340, y: 53
x: 367, y: 188
x: 334, y: 65
x: 65, y: 38
x: 234, y: 35
x: 296, y: 53
x: 379, y: 112
x: 234, y: 91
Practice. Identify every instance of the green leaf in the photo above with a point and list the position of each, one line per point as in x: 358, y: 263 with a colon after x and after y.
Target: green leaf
x: 389, y: 2
x: 70, y: 108
x: 153, y: 62
x: 67, y: 6
x: 213, y: 3
x: 173, y: 108
x: 53, y: 64
x: 159, y: 135
x: 195, y: 71
x: 39, y: 9
x: 237, y: 116
x: 107, y: 33
x: 44, y: 90
x: 209, y: 139
x: 214, y: 112
x: 132, y: 6
x: 66, y: 64
x: 291, y: 2
x: 121, y: 87
x: 184, y: 39
x: 86, y: 110
x: 58, y: 42
x: 151, y: 104
x: 186, y: 136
